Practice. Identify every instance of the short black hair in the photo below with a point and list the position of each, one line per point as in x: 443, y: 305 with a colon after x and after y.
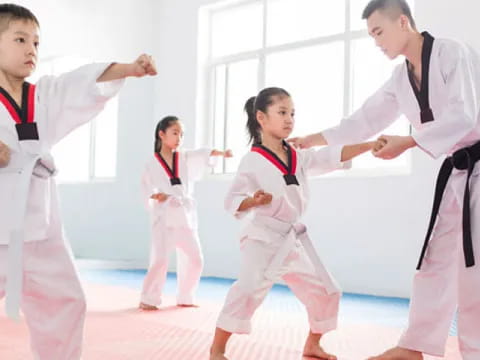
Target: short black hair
x: 13, y: 12
x: 399, y: 7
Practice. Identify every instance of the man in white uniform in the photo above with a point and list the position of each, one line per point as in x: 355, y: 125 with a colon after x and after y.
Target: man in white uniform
x: 438, y: 89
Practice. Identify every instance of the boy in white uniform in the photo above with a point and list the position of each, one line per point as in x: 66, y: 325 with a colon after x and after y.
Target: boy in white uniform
x: 36, y: 268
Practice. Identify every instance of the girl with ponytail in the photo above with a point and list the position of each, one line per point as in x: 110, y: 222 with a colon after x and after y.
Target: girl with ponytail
x: 168, y: 190
x: 271, y: 184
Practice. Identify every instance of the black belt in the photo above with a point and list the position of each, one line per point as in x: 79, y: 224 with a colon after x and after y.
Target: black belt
x: 463, y: 159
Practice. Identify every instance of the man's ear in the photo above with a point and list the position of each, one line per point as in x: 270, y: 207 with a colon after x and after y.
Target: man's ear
x: 404, y: 22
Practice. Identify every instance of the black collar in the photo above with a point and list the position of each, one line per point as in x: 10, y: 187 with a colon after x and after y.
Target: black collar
x: 421, y: 94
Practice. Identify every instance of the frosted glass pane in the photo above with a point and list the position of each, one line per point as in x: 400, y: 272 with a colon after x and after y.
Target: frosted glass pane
x: 72, y: 155
x: 242, y: 84
x: 314, y: 78
x: 237, y: 29
x: 296, y: 20
x: 106, y: 141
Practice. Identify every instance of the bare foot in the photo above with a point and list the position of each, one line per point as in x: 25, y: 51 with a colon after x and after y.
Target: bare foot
x: 188, y: 305
x: 316, y: 351
x: 147, y: 307
x: 217, y: 355
x: 399, y: 353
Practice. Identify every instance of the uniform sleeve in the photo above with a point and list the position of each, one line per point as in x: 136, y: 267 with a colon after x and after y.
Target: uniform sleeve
x: 74, y: 98
x: 198, y: 162
x: 377, y: 113
x: 243, y: 186
x: 323, y: 160
x: 460, y: 115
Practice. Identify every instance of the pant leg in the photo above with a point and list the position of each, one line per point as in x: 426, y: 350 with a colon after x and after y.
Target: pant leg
x: 469, y: 283
x: 434, y: 296
x: 301, y: 278
x: 162, y: 245
x: 249, y: 291
x: 189, y: 265
x: 53, y: 301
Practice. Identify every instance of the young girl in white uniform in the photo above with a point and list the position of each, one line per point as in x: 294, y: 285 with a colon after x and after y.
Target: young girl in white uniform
x: 168, y: 182
x: 271, y: 183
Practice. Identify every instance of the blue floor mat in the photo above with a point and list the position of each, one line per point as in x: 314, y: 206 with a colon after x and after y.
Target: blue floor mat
x: 354, y: 308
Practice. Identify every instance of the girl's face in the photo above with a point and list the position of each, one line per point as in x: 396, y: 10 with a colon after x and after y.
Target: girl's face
x: 172, y: 137
x: 279, y: 119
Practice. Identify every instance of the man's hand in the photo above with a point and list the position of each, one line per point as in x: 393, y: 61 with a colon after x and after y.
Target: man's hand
x: 389, y: 147
x: 308, y: 141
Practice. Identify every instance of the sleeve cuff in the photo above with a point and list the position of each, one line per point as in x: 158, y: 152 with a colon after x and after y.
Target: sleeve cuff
x: 335, y: 152
x: 234, y: 208
x: 420, y: 143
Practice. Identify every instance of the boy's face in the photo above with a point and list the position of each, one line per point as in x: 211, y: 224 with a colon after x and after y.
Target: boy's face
x: 173, y: 135
x: 390, y: 35
x: 279, y: 118
x: 19, y: 48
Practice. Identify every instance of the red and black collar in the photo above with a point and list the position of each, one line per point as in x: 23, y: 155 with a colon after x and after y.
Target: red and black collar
x: 288, y: 170
x: 172, y: 173
x: 23, y: 117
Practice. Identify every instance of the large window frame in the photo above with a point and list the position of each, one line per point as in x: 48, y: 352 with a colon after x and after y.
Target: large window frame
x: 214, y: 126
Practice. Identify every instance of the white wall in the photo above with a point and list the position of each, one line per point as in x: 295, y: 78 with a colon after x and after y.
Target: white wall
x: 368, y: 230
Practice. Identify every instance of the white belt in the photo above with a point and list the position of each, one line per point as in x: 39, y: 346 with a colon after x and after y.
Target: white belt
x: 292, y: 233
x: 177, y: 201
x: 35, y: 166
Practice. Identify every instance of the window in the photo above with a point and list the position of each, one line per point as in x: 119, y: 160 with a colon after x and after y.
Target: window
x: 89, y: 152
x: 319, y: 51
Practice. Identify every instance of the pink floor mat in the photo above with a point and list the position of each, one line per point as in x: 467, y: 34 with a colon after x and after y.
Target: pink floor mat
x: 117, y: 330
